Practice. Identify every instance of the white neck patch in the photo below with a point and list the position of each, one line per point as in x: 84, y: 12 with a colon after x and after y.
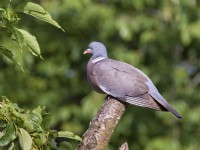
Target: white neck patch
x: 97, y: 59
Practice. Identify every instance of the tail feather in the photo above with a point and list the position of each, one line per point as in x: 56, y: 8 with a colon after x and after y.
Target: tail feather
x: 172, y: 110
x: 166, y: 105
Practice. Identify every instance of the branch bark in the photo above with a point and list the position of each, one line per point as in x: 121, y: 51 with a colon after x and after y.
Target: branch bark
x: 102, y: 126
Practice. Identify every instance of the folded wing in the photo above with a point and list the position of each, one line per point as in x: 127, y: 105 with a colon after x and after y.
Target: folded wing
x: 125, y: 82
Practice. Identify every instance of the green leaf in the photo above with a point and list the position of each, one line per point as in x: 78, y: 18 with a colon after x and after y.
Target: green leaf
x: 31, y: 122
x: 46, y: 121
x: 25, y: 139
x: 43, y: 119
x: 29, y: 40
x: 9, y: 55
x: 53, y: 144
x: 9, y: 134
x: 41, y: 140
x: 19, y: 37
x: 39, y: 110
x: 27, y: 123
x: 37, y: 11
x: 69, y: 135
x: 35, y: 118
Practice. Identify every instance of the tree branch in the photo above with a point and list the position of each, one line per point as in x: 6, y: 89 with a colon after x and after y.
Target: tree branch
x: 124, y: 146
x: 101, y: 127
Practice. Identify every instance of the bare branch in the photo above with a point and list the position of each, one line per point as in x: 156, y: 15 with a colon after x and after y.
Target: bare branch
x: 101, y: 127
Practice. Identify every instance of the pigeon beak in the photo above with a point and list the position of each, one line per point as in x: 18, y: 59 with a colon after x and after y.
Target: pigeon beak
x: 87, y: 51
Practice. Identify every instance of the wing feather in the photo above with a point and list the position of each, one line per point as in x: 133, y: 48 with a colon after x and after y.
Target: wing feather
x: 119, y: 79
x: 145, y: 101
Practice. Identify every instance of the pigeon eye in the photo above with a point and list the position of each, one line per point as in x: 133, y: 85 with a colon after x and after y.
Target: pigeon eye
x: 95, y: 47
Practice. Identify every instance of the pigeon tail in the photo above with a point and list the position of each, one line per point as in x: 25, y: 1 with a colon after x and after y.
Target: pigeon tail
x: 172, y: 110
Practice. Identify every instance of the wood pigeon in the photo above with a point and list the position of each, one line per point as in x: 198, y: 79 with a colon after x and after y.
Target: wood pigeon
x: 123, y: 81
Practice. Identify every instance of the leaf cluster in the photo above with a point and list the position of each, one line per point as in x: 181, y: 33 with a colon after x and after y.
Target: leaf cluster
x: 9, y: 19
x: 28, y: 130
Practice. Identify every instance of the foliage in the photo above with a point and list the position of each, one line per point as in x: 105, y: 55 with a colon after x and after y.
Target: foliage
x: 19, y: 128
x: 9, y: 31
x: 159, y: 37
x: 28, y: 129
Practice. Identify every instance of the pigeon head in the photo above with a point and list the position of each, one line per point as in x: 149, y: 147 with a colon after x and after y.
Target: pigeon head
x: 97, y: 50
